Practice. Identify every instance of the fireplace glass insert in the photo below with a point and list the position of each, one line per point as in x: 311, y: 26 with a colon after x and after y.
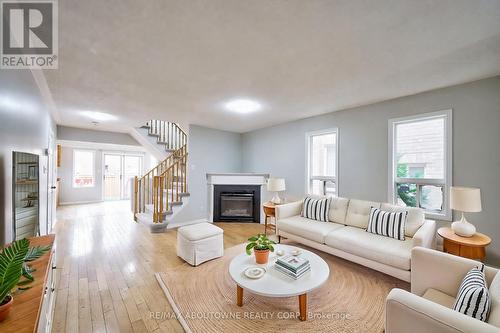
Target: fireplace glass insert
x: 236, y: 203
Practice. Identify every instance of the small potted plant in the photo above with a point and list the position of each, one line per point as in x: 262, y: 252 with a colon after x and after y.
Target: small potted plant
x: 11, y: 270
x: 13, y: 266
x: 261, y: 246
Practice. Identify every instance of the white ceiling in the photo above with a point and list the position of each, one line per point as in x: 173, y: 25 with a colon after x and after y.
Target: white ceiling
x: 180, y: 60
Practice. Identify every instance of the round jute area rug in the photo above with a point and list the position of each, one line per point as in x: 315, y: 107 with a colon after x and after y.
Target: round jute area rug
x: 204, y: 299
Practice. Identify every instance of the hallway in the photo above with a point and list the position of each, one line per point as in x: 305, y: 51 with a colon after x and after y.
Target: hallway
x: 106, y: 265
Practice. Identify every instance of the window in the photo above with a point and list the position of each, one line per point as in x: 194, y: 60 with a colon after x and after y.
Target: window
x: 322, y: 162
x: 83, y: 168
x: 420, y: 160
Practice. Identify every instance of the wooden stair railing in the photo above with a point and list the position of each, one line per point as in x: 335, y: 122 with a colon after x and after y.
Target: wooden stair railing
x: 146, y: 188
x: 169, y: 187
x: 169, y: 134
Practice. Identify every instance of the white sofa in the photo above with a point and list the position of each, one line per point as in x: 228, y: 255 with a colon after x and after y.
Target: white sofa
x: 435, y: 280
x: 345, y: 236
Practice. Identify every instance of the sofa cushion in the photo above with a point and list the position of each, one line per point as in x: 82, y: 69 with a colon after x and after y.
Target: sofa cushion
x: 306, y: 228
x: 199, y: 231
x: 338, y: 210
x: 439, y: 297
x: 414, y: 220
x: 358, y: 212
x: 381, y: 249
x: 494, y: 317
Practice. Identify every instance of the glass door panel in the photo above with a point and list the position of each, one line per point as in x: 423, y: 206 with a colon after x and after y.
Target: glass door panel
x: 112, y: 177
x: 132, y: 166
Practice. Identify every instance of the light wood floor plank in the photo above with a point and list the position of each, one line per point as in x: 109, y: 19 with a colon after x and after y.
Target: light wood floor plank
x: 107, y: 264
x: 96, y: 310
x: 84, y: 316
x: 60, y: 311
x: 111, y: 322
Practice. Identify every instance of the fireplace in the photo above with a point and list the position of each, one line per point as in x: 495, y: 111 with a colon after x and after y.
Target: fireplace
x: 237, y: 203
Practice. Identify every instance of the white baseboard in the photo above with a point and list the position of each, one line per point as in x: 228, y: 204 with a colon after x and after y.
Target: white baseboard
x: 67, y: 203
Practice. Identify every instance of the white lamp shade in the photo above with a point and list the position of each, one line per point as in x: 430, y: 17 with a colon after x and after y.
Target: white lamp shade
x: 465, y: 199
x: 276, y: 184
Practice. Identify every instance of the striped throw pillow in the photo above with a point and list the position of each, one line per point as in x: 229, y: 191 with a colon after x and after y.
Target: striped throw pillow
x: 473, y: 298
x: 316, y: 209
x: 390, y: 224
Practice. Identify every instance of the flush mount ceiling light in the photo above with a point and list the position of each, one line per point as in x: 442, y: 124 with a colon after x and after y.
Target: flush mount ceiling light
x: 242, y: 106
x: 97, y: 116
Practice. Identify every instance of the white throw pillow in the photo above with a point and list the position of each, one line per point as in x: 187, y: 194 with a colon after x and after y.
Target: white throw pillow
x: 473, y: 297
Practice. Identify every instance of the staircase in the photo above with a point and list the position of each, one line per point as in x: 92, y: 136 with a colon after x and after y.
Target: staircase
x: 162, y: 191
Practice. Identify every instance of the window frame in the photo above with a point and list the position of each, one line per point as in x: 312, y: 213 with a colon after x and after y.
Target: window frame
x: 94, y: 176
x: 446, y: 183
x: 308, y: 143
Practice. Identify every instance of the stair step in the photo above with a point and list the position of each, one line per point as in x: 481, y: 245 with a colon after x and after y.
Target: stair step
x: 149, y: 208
x: 146, y: 219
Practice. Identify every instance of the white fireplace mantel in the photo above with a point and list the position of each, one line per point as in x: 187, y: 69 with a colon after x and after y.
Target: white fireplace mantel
x: 233, y: 179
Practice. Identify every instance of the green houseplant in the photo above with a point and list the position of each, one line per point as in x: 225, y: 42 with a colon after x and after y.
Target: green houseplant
x: 11, y: 270
x: 13, y: 266
x: 261, y: 246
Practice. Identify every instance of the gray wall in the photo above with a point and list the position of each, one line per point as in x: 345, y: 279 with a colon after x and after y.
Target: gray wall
x: 70, y: 195
x: 87, y: 135
x: 363, y: 160
x: 25, y: 125
x: 209, y: 151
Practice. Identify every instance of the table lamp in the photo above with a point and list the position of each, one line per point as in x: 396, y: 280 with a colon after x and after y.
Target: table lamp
x: 465, y: 200
x: 276, y: 185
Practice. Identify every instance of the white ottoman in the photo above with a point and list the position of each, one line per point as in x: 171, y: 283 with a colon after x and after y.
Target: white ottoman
x: 201, y: 242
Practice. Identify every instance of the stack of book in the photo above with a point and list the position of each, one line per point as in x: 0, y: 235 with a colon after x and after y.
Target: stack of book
x: 293, y: 266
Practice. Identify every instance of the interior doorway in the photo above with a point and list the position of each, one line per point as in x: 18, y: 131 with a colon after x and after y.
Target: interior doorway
x: 119, y: 170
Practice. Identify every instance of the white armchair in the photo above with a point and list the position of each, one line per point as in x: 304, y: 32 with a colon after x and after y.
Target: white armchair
x: 435, y: 280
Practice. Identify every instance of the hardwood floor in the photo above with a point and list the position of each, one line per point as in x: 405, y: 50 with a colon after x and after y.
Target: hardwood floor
x: 105, y: 268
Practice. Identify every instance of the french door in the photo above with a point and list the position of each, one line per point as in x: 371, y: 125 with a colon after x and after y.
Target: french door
x: 119, y: 171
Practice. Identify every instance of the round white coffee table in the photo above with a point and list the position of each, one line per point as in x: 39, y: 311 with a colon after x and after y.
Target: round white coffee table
x: 275, y: 283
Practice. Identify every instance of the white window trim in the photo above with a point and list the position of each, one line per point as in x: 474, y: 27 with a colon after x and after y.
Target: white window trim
x: 308, y: 156
x: 94, y: 175
x: 448, y: 159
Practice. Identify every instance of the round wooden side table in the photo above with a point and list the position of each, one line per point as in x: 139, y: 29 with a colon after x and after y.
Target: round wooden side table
x: 468, y: 247
x: 269, y: 211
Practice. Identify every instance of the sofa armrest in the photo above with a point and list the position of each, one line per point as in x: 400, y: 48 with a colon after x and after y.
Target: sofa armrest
x: 288, y: 210
x: 426, y: 235
x: 441, y: 271
x: 407, y: 312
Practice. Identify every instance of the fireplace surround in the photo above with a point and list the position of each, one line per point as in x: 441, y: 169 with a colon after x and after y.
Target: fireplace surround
x: 256, y: 180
